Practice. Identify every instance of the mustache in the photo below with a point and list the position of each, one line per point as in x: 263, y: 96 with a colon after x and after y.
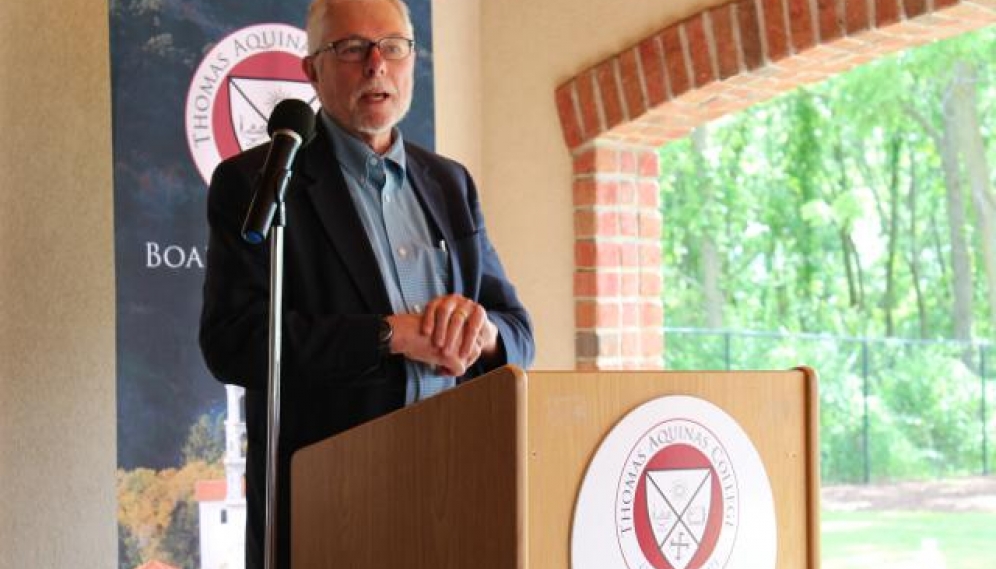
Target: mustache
x: 375, y: 87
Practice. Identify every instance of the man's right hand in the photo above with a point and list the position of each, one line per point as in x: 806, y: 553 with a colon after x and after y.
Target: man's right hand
x: 409, y: 340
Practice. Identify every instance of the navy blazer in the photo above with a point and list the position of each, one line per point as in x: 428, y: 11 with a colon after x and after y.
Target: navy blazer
x: 332, y: 376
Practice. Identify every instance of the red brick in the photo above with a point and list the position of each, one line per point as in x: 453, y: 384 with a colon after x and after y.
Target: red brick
x: 856, y: 18
x: 651, y: 224
x: 674, y: 61
x: 650, y: 255
x: 598, y: 159
x: 591, y: 125
x: 585, y: 224
x: 630, y: 284
x: 608, y: 343
x: 627, y: 161
x: 632, y: 88
x: 628, y: 223
x: 652, y: 61
x: 649, y: 164
x: 652, y: 342
x: 651, y: 283
x: 607, y: 223
x: 605, y: 75
x: 585, y: 283
x: 726, y: 45
x: 630, y: 314
x: 584, y: 192
x: 828, y: 20
x: 600, y: 283
x: 592, y: 314
x: 650, y: 194
x: 586, y: 345
x: 591, y: 191
x: 630, y: 347
x: 584, y: 314
x: 750, y: 35
x: 590, y: 254
x: 915, y: 8
x: 626, y: 194
x: 699, y: 52
x: 590, y: 223
x: 651, y: 315
x: 629, y: 254
x: 886, y: 12
x: 775, y: 30
x: 570, y: 123
x: 607, y: 315
x: 801, y: 24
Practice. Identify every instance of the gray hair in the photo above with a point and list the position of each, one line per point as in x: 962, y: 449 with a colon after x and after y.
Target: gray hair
x: 315, y: 24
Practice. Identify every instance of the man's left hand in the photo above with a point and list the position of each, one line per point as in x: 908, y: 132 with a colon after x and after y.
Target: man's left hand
x: 459, y: 327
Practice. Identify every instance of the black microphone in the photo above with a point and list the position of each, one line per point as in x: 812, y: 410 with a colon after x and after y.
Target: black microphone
x: 291, y: 126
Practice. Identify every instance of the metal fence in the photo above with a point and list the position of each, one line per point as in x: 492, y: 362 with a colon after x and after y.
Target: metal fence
x: 890, y: 409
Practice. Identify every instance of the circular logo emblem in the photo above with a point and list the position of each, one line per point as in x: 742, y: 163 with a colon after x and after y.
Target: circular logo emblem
x: 685, y: 489
x: 236, y: 87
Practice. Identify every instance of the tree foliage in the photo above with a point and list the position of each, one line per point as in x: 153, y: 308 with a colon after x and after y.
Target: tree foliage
x: 828, y: 207
x: 860, y: 208
x: 157, y: 513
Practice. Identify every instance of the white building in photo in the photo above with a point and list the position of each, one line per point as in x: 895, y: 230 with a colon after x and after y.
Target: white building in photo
x: 222, y: 503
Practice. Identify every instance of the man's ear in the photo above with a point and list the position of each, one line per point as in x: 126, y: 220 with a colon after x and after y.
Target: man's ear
x: 308, y: 66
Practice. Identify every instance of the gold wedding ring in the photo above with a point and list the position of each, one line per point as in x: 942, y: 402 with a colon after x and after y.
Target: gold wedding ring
x: 462, y: 313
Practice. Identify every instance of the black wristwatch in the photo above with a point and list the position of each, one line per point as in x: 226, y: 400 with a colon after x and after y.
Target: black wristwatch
x: 384, y: 334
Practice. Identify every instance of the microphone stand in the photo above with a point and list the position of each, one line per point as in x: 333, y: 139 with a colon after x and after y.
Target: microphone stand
x: 273, y: 379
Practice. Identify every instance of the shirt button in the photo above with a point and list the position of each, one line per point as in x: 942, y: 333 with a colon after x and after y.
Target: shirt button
x: 403, y: 252
x: 418, y: 308
x: 372, y: 161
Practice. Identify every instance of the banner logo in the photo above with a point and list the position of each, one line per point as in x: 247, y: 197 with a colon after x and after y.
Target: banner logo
x: 236, y: 86
x: 686, y: 489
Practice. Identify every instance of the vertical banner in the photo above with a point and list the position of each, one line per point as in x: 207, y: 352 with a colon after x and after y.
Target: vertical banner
x: 193, y: 82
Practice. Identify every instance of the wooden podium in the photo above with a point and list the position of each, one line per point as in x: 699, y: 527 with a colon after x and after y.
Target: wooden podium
x: 486, y: 475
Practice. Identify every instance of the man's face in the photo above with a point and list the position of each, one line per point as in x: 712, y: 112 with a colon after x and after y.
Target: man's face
x: 367, y: 98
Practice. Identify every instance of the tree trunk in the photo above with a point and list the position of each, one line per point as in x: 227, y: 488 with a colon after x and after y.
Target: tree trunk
x: 711, y: 264
x: 961, y: 265
x: 973, y: 151
x: 889, y: 296
x: 914, y: 251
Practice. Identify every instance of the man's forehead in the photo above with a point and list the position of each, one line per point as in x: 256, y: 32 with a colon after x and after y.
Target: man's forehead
x: 349, y: 13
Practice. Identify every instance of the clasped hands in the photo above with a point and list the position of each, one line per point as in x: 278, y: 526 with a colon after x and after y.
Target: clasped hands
x: 451, y: 334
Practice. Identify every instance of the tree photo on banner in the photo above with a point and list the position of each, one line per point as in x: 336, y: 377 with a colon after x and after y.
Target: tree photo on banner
x: 193, y: 83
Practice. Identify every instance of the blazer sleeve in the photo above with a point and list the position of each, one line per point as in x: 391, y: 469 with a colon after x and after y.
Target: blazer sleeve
x: 497, y: 294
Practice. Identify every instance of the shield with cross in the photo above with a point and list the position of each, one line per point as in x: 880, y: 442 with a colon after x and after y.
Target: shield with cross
x: 678, y: 503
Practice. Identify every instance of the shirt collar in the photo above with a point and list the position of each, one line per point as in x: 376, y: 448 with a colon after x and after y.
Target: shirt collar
x: 355, y: 156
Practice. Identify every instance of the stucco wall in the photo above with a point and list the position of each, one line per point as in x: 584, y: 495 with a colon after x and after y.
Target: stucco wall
x: 497, y: 63
x: 527, y: 49
x: 57, y: 416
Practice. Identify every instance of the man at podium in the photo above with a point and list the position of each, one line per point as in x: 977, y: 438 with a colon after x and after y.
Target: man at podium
x: 392, y: 289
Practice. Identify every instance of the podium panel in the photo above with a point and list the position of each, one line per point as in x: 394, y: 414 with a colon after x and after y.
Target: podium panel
x: 487, y: 475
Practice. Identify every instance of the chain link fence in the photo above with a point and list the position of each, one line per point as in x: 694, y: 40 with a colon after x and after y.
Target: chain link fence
x: 890, y: 409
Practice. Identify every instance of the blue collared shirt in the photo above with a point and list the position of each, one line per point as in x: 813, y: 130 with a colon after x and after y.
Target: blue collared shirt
x: 414, y: 268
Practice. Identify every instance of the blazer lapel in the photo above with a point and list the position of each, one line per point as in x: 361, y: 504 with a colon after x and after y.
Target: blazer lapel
x: 429, y: 192
x: 325, y: 186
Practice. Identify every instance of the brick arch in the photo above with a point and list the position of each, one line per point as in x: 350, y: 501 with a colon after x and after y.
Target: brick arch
x: 617, y: 113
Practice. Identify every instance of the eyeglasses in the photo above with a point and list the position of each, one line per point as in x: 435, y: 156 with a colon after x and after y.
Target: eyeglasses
x: 358, y: 49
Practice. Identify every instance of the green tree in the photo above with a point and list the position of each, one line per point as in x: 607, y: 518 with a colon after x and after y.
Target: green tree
x: 206, y: 441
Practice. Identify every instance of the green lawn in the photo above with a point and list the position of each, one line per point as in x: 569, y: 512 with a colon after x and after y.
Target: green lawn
x: 908, y: 540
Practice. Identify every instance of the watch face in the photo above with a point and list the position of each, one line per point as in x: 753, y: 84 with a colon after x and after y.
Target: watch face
x: 384, y: 334
x: 385, y: 331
